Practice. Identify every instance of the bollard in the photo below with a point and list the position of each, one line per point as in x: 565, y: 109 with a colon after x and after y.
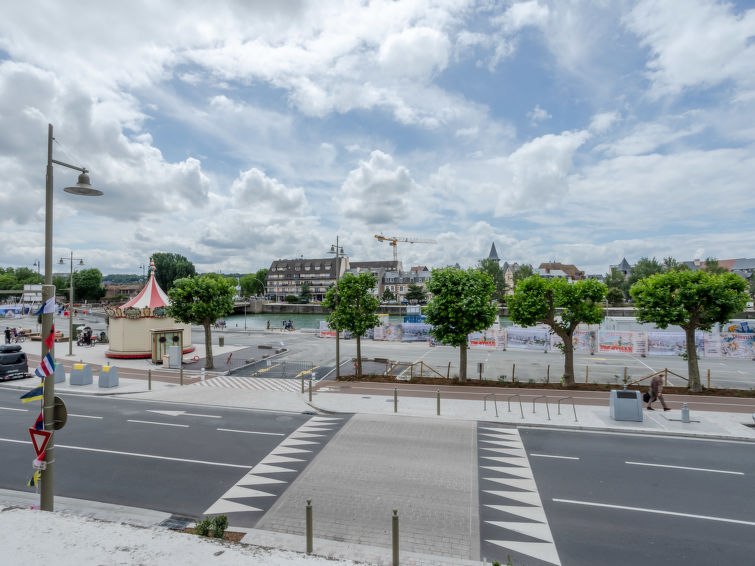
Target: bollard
x: 708, y: 378
x: 395, y: 537
x: 310, y: 390
x: 513, y: 369
x: 625, y: 374
x: 665, y: 377
x: 587, y: 374
x: 201, y: 375
x: 438, y: 392
x: 685, y: 413
x: 395, y: 399
x: 548, y: 374
x: 302, y: 383
x: 309, y: 526
x: 149, y: 379
x: 181, y: 373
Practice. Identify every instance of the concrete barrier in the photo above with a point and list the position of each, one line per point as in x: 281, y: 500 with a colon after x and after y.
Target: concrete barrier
x: 81, y: 374
x: 60, y: 373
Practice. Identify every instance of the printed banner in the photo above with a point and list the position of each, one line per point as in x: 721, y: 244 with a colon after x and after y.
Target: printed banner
x: 493, y: 338
x: 667, y: 343
x: 737, y: 345
x: 390, y: 332
x: 415, y: 332
x: 616, y: 341
x: 326, y: 331
x: 534, y: 338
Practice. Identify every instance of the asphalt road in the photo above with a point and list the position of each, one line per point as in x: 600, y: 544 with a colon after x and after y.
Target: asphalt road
x: 628, y: 500
x: 127, y: 452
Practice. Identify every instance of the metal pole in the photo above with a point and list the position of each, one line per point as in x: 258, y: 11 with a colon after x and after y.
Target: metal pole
x: 338, y: 330
x: 587, y: 374
x: 513, y: 369
x: 181, y: 373
x: 665, y: 377
x: 708, y: 378
x: 46, y: 497
x: 309, y: 526
x: 548, y: 374
x: 302, y: 383
x: 310, y: 390
x: 395, y: 399
x: 438, y: 393
x: 625, y: 374
x: 70, y: 312
x: 395, y: 537
x: 149, y: 379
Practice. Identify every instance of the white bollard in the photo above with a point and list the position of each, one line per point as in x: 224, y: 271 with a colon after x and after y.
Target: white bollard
x: 685, y: 413
x: 201, y: 375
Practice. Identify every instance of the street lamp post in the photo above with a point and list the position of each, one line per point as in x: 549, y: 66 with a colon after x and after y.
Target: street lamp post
x: 338, y: 251
x: 70, y: 301
x: 83, y: 187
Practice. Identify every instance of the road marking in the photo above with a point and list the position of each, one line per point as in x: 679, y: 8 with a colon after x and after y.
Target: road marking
x: 183, y: 413
x: 119, y: 453
x: 252, y: 432
x: 554, y: 456
x: 11, y: 409
x: 152, y: 422
x: 656, y: 511
x: 84, y: 416
x: 685, y: 468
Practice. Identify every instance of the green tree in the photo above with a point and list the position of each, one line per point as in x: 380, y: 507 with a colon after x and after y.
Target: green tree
x: 305, y: 295
x: 752, y: 286
x: 671, y: 264
x: 169, y: 267
x: 615, y: 296
x: 645, y: 268
x: 536, y: 299
x: 492, y: 268
x: 353, y: 307
x: 202, y: 300
x: 460, y: 304
x: 87, y: 285
x: 415, y: 293
x: 388, y: 296
x: 62, y: 285
x: 711, y: 266
x: 692, y: 300
x: 522, y: 273
x: 615, y: 279
x: 253, y: 283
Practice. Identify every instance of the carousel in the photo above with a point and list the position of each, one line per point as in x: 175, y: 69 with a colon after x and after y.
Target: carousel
x: 141, y: 329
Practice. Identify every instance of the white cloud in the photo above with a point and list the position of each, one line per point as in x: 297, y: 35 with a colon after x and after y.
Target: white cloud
x: 695, y: 43
x: 602, y: 122
x: 522, y: 14
x: 414, y: 53
x: 538, y: 114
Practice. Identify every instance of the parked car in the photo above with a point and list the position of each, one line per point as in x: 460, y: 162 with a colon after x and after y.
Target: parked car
x: 13, y: 363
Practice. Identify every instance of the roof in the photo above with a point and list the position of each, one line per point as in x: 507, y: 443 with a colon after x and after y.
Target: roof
x: 567, y: 268
x: 747, y: 263
x: 493, y: 254
x: 375, y: 264
x: 151, y: 296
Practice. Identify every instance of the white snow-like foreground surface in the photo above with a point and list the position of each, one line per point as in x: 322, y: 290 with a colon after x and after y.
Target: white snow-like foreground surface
x: 36, y: 537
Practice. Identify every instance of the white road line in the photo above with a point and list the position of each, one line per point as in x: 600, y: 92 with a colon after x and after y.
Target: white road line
x: 11, y: 409
x: 84, y: 416
x: 252, y: 432
x: 163, y: 424
x: 685, y: 468
x: 119, y: 453
x: 656, y: 511
x: 554, y: 456
x: 640, y: 361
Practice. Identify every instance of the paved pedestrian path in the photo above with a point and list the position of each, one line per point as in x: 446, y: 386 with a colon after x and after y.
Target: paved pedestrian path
x: 252, y: 383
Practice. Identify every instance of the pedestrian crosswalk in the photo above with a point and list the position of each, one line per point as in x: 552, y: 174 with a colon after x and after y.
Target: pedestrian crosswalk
x: 256, y: 491
x: 513, y: 515
x: 258, y: 383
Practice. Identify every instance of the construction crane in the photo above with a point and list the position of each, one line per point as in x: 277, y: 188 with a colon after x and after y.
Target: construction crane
x: 394, y: 240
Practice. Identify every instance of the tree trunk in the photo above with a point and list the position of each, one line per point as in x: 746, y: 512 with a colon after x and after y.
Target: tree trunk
x: 208, y: 362
x: 463, y: 363
x: 359, y: 356
x: 692, y: 368
x: 568, y: 360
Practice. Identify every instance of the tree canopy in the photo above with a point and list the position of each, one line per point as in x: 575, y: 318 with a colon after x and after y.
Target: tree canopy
x: 253, y: 284
x: 492, y: 268
x: 415, y: 293
x: 353, y: 307
x: 522, y: 273
x: 87, y: 285
x: 644, y: 268
x: 169, y: 267
x: 202, y: 300
x: 12, y: 279
x: 536, y: 299
x: 692, y: 300
x: 388, y: 296
x: 460, y: 304
x: 305, y: 294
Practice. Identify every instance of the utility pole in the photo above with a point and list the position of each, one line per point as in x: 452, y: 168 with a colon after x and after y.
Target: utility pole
x: 70, y: 301
x: 338, y: 251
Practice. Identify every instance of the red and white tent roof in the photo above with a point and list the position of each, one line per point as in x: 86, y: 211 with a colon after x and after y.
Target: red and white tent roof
x: 151, y: 296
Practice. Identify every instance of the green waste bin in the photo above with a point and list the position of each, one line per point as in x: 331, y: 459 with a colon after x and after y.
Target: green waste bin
x: 221, y: 341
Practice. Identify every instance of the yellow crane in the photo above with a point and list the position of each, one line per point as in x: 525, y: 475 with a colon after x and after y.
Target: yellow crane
x: 394, y: 240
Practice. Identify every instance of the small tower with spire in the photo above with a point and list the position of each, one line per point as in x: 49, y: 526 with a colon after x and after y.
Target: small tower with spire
x: 493, y: 255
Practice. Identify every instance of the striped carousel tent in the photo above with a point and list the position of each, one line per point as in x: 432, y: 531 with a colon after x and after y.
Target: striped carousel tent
x: 132, y: 326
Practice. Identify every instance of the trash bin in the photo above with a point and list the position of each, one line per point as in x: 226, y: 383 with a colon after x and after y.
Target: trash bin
x: 221, y: 341
x: 626, y: 405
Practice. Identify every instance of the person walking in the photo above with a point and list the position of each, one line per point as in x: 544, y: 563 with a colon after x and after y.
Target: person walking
x: 656, y: 392
x: 7, y: 335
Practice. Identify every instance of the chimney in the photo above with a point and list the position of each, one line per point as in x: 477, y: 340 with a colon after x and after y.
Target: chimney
x: 696, y: 262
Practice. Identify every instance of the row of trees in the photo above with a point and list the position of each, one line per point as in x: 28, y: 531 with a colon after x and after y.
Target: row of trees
x: 462, y: 303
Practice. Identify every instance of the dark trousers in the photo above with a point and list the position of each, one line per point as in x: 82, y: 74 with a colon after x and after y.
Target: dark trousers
x: 657, y: 397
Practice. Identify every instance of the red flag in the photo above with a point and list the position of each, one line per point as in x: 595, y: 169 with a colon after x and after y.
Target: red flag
x: 50, y: 340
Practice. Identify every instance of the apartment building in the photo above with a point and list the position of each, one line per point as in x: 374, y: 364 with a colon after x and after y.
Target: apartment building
x: 286, y: 276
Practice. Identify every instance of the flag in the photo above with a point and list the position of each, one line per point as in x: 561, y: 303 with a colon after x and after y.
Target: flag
x: 33, y: 395
x: 39, y: 424
x: 50, y: 340
x: 34, y: 479
x: 46, y: 366
x: 48, y: 307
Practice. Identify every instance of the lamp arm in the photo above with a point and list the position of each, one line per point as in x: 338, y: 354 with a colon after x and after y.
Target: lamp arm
x: 82, y: 169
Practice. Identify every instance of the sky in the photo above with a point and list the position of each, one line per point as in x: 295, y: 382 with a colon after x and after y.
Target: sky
x: 241, y: 132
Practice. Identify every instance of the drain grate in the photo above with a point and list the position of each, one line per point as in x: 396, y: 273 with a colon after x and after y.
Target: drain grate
x: 177, y: 523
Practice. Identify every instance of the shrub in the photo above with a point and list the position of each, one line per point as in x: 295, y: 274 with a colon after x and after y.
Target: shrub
x: 219, y: 525
x: 203, y: 528
x: 293, y: 299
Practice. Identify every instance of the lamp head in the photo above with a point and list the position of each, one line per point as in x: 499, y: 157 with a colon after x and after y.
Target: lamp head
x: 83, y: 187
x: 81, y: 262
x: 61, y: 261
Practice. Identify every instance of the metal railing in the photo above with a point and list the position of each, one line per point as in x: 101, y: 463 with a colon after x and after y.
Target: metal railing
x: 510, y: 397
x: 546, y: 404
x: 572, y: 404
x: 485, y: 403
